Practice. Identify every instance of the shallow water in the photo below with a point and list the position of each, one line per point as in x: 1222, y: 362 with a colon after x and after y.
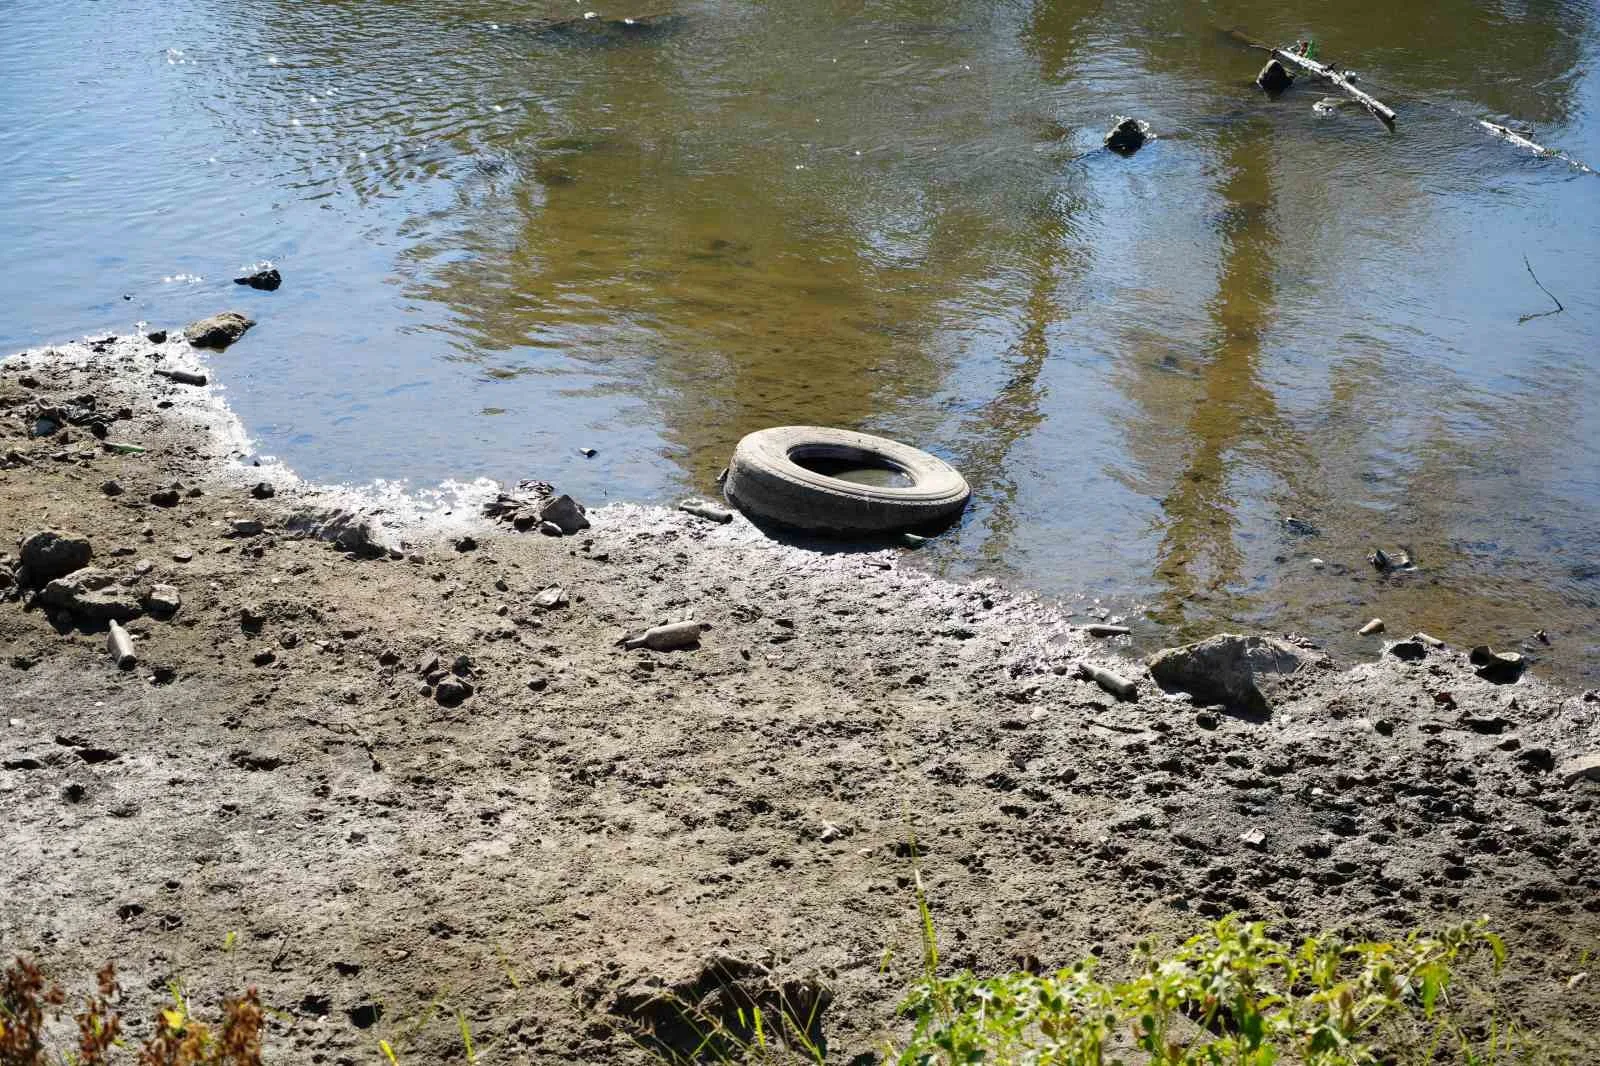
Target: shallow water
x: 501, y: 243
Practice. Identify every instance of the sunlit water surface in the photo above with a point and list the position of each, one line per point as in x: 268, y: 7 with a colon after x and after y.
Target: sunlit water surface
x: 502, y: 242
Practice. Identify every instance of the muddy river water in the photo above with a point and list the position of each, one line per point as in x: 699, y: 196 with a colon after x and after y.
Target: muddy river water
x: 504, y: 240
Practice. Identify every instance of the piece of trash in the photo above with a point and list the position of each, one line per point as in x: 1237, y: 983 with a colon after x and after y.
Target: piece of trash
x: 120, y: 646
x: 1253, y: 838
x: 1117, y: 685
x: 706, y: 510
x: 182, y: 377
x: 123, y: 449
x: 1430, y: 641
x: 1374, y: 626
x: 1384, y: 563
x: 1500, y: 668
x: 666, y: 637
x: 588, y: 453
x: 1298, y: 526
x: 1100, y: 630
x: 913, y: 540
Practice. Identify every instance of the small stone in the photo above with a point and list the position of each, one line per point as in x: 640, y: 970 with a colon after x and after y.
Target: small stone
x: 156, y: 336
x: 388, y: 657
x: 550, y: 529
x: 1317, y: 564
x: 551, y: 598
x: 1274, y: 78
x: 165, y: 498
x: 245, y: 527
x: 112, y: 488
x: 538, y: 684
x: 1206, y: 720
x: 429, y: 663
x: 1409, y: 651
x: 452, y: 691
x: 261, y: 490
x: 218, y: 331
x: 264, y: 657
x: 466, y: 544
x: 182, y: 555
x: 267, y: 279
x: 1127, y: 136
x: 1253, y: 838
x: 164, y: 599
x: 1537, y: 758
x: 1584, y: 767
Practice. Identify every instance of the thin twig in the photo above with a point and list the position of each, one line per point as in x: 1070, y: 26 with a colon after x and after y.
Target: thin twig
x: 1547, y: 292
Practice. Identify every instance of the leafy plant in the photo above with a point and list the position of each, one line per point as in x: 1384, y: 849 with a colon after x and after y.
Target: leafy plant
x: 1233, y: 996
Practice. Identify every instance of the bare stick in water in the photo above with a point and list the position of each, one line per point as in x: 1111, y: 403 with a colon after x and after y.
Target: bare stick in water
x: 1547, y: 292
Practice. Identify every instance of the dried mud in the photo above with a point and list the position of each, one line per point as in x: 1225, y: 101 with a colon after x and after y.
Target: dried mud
x: 591, y: 821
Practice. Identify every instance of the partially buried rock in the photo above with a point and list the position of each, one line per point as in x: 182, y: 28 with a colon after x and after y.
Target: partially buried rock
x: 112, y: 488
x: 1584, y: 767
x: 1500, y: 668
x: 164, y: 599
x: 49, y: 554
x: 565, y: 513
x: 218, y: 331
x: 266, y: 279
x: 1228, y: 669
x: 452, y: 691
x: 262, y: 490
x: 93, y: 595
x: 1410, y: 651
x: 1127, y: 136
x: 1274, y: 78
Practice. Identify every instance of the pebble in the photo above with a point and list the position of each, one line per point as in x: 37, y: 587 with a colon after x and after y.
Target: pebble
x: 451, y: 691
x: 112, y: 488
x: 263, y: 491
x: 552, y: 597
x: 164, y: 599
x: 182, y: 555
x: 245, y: 527
x: 264, y: 657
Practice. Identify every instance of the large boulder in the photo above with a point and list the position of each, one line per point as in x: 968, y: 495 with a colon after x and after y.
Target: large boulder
x: 49, y: 554
x: 1228, y: 669
x: 218, y: 331
x: 92, y: 595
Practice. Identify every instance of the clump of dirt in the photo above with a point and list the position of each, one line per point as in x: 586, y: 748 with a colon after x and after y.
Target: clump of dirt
x: 406, y: 760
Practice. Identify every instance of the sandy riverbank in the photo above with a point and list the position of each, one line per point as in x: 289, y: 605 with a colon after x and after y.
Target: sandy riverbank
x: 591, y: 819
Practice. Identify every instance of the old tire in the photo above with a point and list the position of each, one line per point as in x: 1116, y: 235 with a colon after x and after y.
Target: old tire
x: 766, y: 478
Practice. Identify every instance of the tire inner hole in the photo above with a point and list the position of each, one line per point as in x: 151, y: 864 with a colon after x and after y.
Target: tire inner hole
x: 852, y: 464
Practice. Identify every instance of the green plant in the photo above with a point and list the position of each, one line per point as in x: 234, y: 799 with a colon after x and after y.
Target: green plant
x: 1233, y: 996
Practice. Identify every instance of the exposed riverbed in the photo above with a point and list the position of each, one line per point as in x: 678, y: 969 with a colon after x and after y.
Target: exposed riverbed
x: 501, y: 244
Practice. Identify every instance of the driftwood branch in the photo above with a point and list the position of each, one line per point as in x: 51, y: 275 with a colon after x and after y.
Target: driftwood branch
x: 1547, y: 292
x: 1381, y: 110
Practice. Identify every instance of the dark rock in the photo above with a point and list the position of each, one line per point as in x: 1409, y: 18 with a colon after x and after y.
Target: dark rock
x: 112, y: 488
x: 566, y: 513
x: 1500, y: 668
x: 263, y: 491
x: 1411, y: 651
x: 1274, y: 78
x: 451, y: 691
x: 1227, y: 669
x: 1488, y: 724
x: 156, y: 336
x: 93, y: 595
x: 1537, y: 758
x: 50, y: 554
x: 265, y: 657
x: 467, y: 544
x: 165, y: 498
x: 364, y: 1016
x: 1127, y: 136
x: 267, y: 279
x: 218, y: 331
